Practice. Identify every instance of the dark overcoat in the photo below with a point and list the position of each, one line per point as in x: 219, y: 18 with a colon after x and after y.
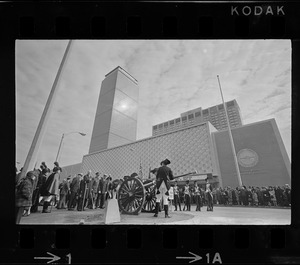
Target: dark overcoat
x: 74, y: 185
x: 51, y: 185
x: 24, y: 193
x: 164, y: 174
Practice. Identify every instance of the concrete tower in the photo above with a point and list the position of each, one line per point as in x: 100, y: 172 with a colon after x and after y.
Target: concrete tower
x: 116, y: 116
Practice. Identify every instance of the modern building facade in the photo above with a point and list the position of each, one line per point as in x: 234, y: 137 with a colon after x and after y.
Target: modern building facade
x: 215, y: 115
x: 261, y: 155
x: 116, y: 115
x: 188, y: 149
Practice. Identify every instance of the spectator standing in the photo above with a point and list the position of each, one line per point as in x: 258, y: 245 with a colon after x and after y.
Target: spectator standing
x: 74, y: 188
x: 103, y: 183
x: 249, y: 196
x: 229, y: 190
x: 50, y: 189
x: 255, y: 197
x: 95, y: 190
x: 266, y: 195
x: 40, y: 182
x: 24, y: 195
x: 287, y: 191
x: 82, y: 192
x: 90, y: 193
x: 63, y: 192
x: 272, y: 196
x: 279, y: 196
x: 237, y: 195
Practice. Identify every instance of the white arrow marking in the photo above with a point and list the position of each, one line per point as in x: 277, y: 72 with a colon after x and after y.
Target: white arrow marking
x: 53, y: 258
x: 195, y: 258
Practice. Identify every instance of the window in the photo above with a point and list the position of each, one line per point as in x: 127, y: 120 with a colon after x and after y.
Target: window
x: 230, y: 104
x: 220, y: 107
x: 205, y: 112
x: 166, y: 124
x: 177, y: 120
x: 213, y: 109
x: 172, y: 122
x: 191, y: 116
x: 155, y: 127
x: 160, y: 126
x: 184, y: 118
x: 197, y: 114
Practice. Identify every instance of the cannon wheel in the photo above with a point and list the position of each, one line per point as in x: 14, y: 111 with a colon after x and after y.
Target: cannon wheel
x: 150, y: 199
x: 131, y: 196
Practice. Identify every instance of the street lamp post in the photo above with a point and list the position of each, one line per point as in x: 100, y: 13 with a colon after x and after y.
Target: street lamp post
x: 62, y: 138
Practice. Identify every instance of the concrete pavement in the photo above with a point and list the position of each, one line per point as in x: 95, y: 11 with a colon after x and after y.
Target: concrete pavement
x: 220, y: 216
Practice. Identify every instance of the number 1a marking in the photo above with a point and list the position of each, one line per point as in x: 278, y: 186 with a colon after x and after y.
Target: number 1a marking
x: 217, y: 258
x: 69, y: 258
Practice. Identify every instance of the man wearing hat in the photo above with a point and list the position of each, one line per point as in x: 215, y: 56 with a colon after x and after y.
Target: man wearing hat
x: 74, y: 187
x: 102, y: 189
x: 83, y: 191
x: 64, y: 188
x: 163, y: 176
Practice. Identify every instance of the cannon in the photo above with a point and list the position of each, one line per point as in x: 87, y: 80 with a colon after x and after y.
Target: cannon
x: 135, y: 195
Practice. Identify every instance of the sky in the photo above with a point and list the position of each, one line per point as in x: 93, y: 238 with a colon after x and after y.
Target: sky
x: 174, y: 76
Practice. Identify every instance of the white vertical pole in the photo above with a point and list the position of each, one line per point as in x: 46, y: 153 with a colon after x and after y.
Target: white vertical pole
x: 31, y: 157
x: 231, y: 139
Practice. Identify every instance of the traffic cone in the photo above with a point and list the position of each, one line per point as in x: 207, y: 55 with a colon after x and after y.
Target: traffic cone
x: 111, y: 212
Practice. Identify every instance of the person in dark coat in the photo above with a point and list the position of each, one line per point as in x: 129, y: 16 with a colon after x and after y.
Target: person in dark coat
x: 63, y: 192
x: 50, y: 189
x: 163, y: 176
x: 44, y: 171
x: 74, y: 188
x: 103, y: 187
x: 24, y: 195
x: 83, y: 191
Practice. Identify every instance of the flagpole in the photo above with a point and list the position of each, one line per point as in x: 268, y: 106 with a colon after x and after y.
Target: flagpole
x: 32, y: 154
x: 231, y: 139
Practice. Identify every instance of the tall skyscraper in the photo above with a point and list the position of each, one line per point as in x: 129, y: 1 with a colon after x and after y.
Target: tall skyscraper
x: 116, y: 116
x: 215, y: 115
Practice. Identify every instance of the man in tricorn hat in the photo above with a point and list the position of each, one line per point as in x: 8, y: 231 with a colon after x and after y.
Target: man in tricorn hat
x: 163, y: 175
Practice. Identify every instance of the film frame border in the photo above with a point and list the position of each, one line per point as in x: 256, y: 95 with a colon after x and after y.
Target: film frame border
x: 134, y: 21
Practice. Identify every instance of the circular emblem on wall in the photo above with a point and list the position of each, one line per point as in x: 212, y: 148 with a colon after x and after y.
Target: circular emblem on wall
x: 247, y: 158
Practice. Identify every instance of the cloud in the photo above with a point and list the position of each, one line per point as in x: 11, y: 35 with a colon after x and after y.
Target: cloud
x: 174, y: 76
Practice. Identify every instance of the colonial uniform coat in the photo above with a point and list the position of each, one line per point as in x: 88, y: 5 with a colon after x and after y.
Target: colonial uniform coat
x: 176, y: 198
x: 187, y: 197
x: 198, y: 198
x: 164, y: 174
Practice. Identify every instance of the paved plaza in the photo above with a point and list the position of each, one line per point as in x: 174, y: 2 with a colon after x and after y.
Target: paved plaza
x: 220, y: 216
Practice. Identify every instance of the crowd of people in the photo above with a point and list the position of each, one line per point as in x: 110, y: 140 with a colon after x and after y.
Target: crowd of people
x: 243, y: 196
x: 42, y: 187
